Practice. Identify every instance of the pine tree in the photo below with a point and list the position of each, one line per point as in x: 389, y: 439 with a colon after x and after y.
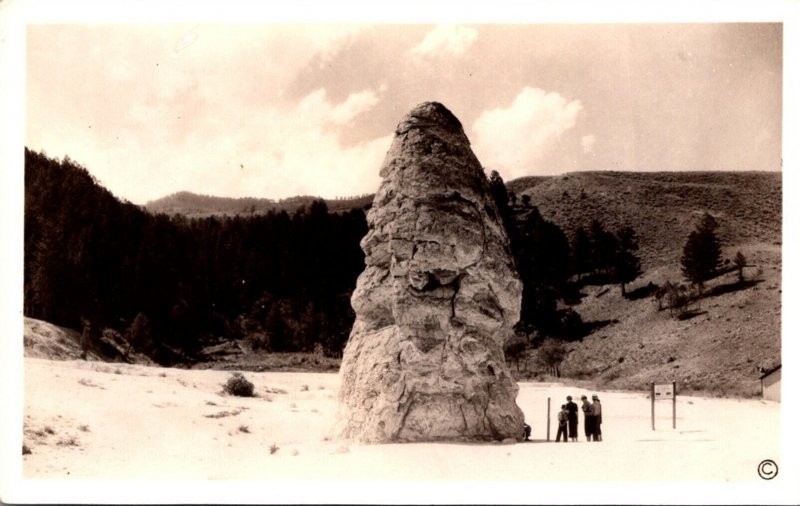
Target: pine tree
x: 276, y: 330
x: 627, y: 266
x: 603, y: 248
x: 139, y: 332
x: 702, y: 253
x: 581, y: 252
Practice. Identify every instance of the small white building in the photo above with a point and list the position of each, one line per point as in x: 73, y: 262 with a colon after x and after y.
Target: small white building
x: 771, y: 384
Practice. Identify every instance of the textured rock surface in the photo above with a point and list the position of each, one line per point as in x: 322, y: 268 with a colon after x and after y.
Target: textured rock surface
x: 436, y: 301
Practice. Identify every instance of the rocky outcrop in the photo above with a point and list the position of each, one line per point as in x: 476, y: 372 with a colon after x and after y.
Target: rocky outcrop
x: 436, y: 301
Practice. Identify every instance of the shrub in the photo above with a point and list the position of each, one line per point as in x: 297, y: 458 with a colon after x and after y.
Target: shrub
x: 70, y: 441
x: 675, y: 297
x: 239, y: 386
x: 273, y: 449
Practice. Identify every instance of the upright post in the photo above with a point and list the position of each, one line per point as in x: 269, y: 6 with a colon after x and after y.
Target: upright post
x: 674, y: 402
x: 653, y: 404
x: 548, y: 418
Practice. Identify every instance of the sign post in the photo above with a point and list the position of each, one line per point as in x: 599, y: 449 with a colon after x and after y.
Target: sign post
x: 653, y: 405
x: 658, y: 392
x: 548, y: 419
x: 674, y: 401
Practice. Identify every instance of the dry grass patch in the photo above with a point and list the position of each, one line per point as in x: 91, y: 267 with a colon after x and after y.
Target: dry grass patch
x: 68, y: 441
x: 223, y: 414
x: 88, y: 383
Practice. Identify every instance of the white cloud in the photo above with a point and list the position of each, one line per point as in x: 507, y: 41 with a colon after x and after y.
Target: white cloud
x: 355, y: 104
x: 312, y: 158
x: 587, y: 143
x: 445, y: 40
x: 284, y: 151
x: 514, y: 139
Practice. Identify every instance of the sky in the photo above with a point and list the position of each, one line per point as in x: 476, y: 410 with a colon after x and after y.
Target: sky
x: 276, y: 110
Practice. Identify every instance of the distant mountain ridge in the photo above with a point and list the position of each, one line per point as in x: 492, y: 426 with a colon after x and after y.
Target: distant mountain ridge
x: 193, y: 205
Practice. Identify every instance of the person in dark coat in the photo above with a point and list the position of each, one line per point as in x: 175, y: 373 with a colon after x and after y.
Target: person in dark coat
x: 588, y: 418
x: 526, y: 431
x: 572, y: 410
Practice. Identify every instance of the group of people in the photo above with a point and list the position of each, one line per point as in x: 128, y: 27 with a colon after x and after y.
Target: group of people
x: 592, y: 419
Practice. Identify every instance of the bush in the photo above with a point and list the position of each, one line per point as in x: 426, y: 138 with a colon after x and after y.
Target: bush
x: 675, y: 297
x: 238, y: 385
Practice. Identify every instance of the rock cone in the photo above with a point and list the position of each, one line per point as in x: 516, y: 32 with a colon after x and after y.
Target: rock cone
x: 436, y: 301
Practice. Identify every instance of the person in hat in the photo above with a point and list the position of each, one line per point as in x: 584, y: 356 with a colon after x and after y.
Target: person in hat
x: 572, y: 409
x: 597, y: 413
x: 588, y: 418
x: 563, y: 418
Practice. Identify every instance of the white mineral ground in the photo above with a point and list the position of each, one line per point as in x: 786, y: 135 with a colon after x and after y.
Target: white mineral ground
x: 119, y: 421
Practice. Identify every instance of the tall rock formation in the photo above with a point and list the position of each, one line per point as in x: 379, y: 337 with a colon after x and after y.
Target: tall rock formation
x: 436, y: 301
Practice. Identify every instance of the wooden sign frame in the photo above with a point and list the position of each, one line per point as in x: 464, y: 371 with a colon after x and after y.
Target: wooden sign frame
x: 663, y: 391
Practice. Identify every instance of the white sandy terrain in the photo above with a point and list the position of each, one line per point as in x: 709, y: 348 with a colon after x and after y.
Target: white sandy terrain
x: 101, y: 421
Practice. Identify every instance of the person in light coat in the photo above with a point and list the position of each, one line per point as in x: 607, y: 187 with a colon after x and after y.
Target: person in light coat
x: 563, y: 419
x: 597, y: 413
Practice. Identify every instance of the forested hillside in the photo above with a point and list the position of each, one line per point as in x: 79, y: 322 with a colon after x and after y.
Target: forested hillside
x: 170, y: 285
x: 281, y: 280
